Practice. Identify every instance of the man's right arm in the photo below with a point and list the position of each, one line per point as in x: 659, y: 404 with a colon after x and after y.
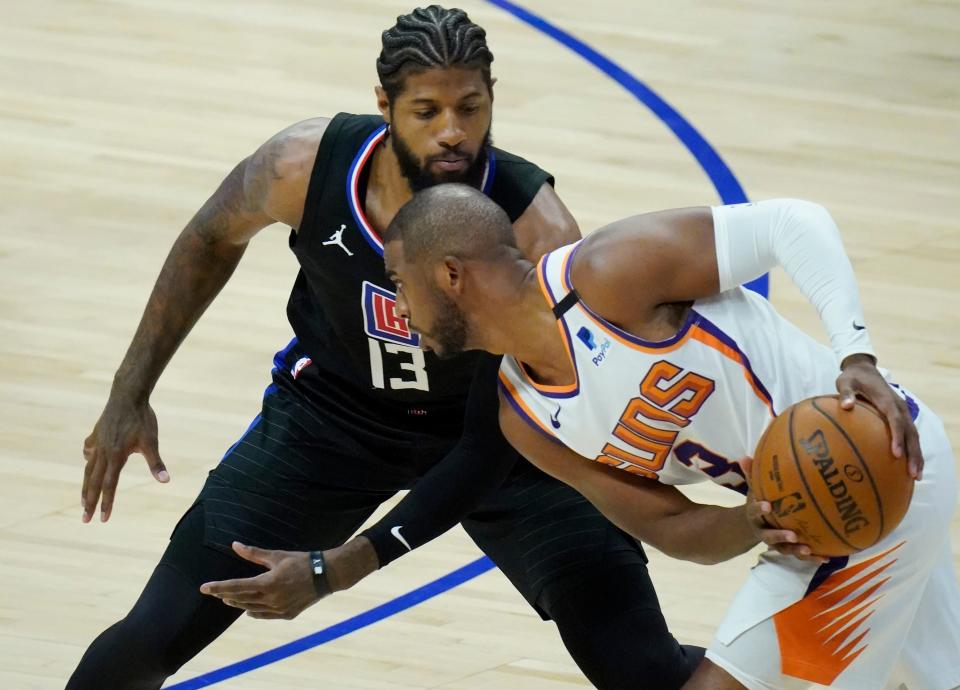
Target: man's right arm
x: 652, y: 512
x: 268, y: 186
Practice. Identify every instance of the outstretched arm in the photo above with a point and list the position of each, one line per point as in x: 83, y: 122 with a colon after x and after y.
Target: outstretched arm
x: 267, y: 186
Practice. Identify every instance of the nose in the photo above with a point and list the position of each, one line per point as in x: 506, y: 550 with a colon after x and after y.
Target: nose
x: 403, y: 311
x: 451, y: 133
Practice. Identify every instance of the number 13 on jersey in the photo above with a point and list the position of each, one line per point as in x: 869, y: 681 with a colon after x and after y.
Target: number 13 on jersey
x: 388, y: 331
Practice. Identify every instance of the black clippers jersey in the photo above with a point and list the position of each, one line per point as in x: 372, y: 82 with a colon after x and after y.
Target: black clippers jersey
x: 342, y: 307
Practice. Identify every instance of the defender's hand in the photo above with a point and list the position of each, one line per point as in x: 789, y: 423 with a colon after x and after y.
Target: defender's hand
x: 287, y: 588
x: 782, y: 540
x: 123, y: 428
x: 284, y: 591
x: 860, y: 377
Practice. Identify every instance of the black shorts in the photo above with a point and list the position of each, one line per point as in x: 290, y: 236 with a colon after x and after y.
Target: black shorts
x: 304, y: 477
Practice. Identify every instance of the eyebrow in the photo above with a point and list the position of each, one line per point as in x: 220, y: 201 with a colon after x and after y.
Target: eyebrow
x: 429, y: 101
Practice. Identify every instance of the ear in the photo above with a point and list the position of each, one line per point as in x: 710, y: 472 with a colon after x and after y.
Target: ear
x: 449, y: 275
x: 383, y: 102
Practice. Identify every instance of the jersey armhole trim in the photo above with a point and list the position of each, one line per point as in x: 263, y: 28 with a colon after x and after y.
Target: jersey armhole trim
x: 511, y: 395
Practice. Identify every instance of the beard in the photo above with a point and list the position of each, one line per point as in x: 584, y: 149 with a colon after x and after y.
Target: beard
x: 418, y: 173
x: 449, y: 331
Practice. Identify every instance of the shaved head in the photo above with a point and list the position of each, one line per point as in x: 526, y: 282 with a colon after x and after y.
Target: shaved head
x: 451, y: 220
x: 438, y: 252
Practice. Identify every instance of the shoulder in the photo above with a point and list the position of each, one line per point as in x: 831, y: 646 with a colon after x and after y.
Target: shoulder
x: 291, y: 151
x: 516, y: 182
x: 278, y: 172
x: 610, y: 268
x: 631, y: 267
x: 517, y: 171
x: 545, y: 224
x: 540, y: 220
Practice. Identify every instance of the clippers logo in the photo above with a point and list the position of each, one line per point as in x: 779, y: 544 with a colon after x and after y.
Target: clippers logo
x: 380, y: 318
x: 599, y: 351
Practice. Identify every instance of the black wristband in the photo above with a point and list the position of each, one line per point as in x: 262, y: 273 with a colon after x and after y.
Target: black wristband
x: 319, y: 566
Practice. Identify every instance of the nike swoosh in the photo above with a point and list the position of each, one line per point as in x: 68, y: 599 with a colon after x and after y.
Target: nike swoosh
x: 859, y: 327
x: 395, y: 531
x: 553, y: 419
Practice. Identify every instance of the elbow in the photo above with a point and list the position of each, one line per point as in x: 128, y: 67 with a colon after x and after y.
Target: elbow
x: 706, y: 559
x: 807, y: 214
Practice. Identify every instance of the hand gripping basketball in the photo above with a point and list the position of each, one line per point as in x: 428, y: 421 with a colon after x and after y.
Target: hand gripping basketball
x: 784, y: 541
x: 860, y: 378
x: 829, y: 475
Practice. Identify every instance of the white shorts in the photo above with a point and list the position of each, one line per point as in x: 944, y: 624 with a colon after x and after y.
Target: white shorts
x: 886, y: 619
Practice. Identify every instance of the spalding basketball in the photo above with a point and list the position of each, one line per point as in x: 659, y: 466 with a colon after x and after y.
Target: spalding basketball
x: 829, y: 475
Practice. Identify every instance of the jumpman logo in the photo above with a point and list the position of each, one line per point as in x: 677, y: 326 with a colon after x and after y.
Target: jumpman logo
x: 337, y: 239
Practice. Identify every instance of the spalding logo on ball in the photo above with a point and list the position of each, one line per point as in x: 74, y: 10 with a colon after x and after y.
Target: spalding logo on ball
x: 829, y: 475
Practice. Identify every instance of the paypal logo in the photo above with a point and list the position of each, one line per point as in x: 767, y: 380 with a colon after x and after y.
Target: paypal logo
x: 586, y: 335
x: 599, y: 358
x: 599, y: 351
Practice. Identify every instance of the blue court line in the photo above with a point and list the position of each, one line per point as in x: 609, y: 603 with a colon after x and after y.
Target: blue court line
x: 378, y: 613
x: 719, y: 173
x: 730, y: 192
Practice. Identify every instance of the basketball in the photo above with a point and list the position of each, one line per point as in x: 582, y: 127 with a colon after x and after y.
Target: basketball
x: 829, y: 475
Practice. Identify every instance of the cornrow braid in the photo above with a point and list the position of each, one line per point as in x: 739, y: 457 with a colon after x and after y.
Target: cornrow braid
x: 431, y: 37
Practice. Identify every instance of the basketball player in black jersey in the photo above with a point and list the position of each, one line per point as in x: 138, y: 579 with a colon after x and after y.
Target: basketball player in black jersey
x: 356, y: 410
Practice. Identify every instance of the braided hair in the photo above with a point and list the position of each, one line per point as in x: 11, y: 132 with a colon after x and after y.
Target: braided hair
x: 431, y: 37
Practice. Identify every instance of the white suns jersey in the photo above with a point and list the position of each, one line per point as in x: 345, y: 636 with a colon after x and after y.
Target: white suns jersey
x: 681, y: 410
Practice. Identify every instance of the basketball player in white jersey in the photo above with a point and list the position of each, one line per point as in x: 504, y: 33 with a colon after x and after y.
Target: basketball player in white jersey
x: 634, y: 362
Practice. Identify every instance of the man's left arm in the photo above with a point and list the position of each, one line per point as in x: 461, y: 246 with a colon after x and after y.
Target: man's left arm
x: 688, y: 254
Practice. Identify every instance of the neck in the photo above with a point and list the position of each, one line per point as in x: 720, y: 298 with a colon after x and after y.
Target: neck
x: 522, y: 324
x: 387, y: 190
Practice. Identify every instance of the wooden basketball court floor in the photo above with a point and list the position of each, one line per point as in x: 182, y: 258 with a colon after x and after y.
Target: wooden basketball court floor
x: 117, y: 119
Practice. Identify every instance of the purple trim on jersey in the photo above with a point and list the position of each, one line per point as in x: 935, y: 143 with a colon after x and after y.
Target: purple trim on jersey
x: 523, y: 414
x: 542, y: 267
x: 629, y: 337
x: 826, y: 570
x: 912, y: 405
x: 714, y: 330
x: 573, y: 360
x: 567, y: 283
x: 353, y: 185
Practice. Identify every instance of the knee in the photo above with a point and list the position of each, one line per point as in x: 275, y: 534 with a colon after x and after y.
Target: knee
x: 124, y: 657
x: 616, y: 633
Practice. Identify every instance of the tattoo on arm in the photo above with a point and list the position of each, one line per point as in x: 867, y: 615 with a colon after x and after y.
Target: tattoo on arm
x: 199, y: 264
x: 242, y: 193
